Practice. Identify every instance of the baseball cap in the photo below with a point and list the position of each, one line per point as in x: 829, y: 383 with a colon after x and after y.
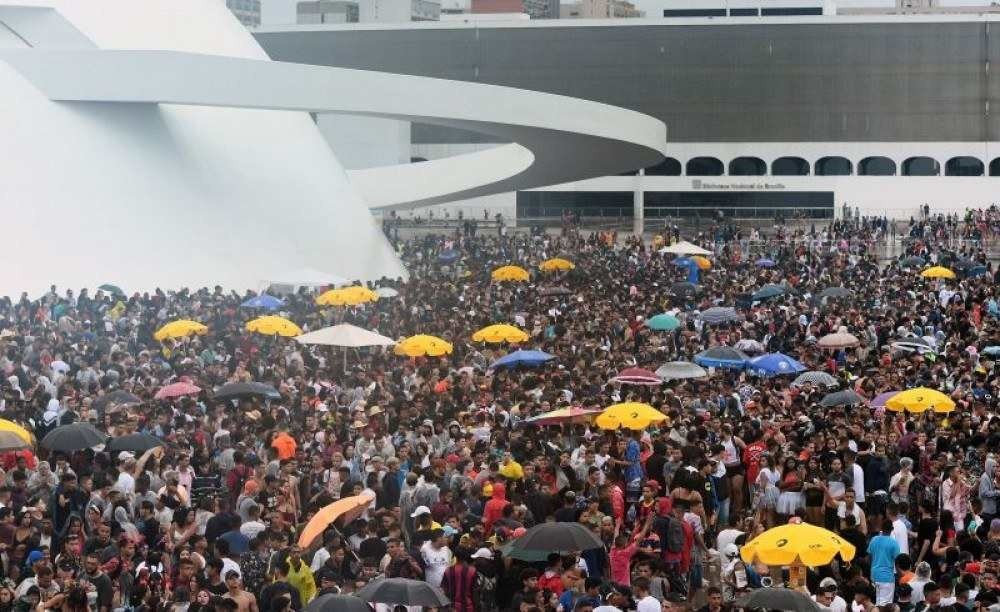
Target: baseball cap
x: 420, y: 511
x: 483, y: 553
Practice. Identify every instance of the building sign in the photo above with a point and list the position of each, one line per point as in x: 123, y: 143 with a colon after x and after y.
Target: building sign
x: 713, y: 185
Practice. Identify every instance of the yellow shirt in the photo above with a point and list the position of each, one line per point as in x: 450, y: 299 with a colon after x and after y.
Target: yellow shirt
x: 512, y: 470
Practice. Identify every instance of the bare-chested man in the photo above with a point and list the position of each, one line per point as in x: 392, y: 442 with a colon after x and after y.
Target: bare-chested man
x: 245, y: 601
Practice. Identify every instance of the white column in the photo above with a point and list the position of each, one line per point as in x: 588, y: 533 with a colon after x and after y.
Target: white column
x: 638, y: 216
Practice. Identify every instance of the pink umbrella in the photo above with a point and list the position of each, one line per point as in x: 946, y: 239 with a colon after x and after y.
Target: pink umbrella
x: 840, y: 340
x: 638, y: 376
x: 177, y: 389
x: 573, y: 414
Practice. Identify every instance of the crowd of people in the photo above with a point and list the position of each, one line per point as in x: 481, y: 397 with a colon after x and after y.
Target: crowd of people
x: 210, y: 520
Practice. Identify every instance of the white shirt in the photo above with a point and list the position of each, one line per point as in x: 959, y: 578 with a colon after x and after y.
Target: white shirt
x: 855, y: 511
x: 858, y: 484
x: 648, y: 604
x: 901, y: 535
x: 436, y: 561
x: 229, y: 564
x: 251, y: 528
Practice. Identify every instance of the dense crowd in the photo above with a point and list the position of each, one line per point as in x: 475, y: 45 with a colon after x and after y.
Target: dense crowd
x: 209, y: 521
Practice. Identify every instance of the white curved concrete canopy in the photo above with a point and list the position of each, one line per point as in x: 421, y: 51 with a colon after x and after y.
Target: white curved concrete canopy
x: 570, y: 139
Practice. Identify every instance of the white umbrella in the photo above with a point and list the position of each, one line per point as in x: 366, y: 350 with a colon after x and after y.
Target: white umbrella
x: 59, y: 366
x: 386, y: 292
x: 345, y: 334
x: 685, y: 248
x: 305, y: 277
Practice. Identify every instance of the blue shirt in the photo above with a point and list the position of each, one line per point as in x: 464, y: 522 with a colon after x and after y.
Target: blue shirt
x: 883, y: 550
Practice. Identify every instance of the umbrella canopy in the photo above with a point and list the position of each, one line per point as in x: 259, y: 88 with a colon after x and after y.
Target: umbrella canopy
x: 879, y: 400
x: 73, y: 437
x: 386, y: 292
x: 841, y: 398
x: 522, y: 359
x: 703, y: 263
x: 349, y: 507
x: 677, y: 370
x: 767, y: 292
x: 749, y: 345
x: 449, y: 255
x: 836, y: 293
x: 554, y: 291
x: 273, y: 325
x: 403, y: 591
x: 725, y: 357
x: 913, y: 261
x: 499, y: 333
x: 815, y: 378
x: 134, y: 443
x: 21, y: 432
x: 978, y: 270
x: 177, y: 389
x: 684, y: 248
x: 764, y: 262
x: 333, y: 602
x: 10, y: 441
x: 912, y: 344
x: 111, y: 401
x: 572, y: 415
x: 937, y: 272
x: 920, y: 399
x: 515, y: 274
x: 246, y: 389
x: 112, y: 289
x: 347, y: 296
x: 663, y: 322
x: 638, y: 376
x: 344, y: 334
x: 629, y: 415
x: 777, y: 599
x: 180, y: 329
x: 563, y: 537
x: 683, y: 288
x: 797, y: 543
x: 719, y: 314
x: 556, y: 264
x: 841, y: 339
x: 962, y: 263
x: 774, y: 364
x: 423, y: 345
x: 263, y: 302
x: 992, y: 351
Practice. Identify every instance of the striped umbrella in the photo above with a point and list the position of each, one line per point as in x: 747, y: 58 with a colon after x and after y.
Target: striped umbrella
x: 637, y: 376
x: 815, y: 378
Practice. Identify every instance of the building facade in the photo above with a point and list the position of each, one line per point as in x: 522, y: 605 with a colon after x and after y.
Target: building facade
x: 247, y: 11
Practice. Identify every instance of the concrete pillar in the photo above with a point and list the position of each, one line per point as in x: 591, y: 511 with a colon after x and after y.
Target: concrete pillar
x: 638, y: 213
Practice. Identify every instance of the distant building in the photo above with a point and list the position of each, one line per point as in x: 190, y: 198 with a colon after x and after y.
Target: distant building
x: 535, y: 9
x: 598, y: 9
x: 326, y: 11
x: 398, y: 11
x: 247, y: 11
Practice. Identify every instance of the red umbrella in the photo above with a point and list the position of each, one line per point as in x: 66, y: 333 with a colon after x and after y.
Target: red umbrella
x: 573, y: 414
x: 177, y: 389
x: 638, y: 376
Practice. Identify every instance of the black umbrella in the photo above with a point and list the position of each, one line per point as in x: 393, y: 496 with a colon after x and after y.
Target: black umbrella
x: 332, y: 602
x: 557, y: 537
x: 836, y: 292
x: 913, y: 261
x: 73, y: 437
x: 135, y: 443
x: 682, y: 288
x: 110, y: 401
x: 246, y: 389
x: 777, y: 599
x: 841, y: 398
x: 405, y: 592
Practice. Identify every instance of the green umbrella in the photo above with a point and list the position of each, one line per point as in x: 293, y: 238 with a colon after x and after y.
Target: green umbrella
x: 113, y: 289
x: 663, y: 322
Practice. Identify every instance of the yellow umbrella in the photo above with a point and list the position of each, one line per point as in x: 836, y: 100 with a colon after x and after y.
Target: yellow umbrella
x: 702, y: 262
x: 347, y: 296
x: 556, y: 264
x: 21, y: 432
x: 510, y: 273
x: 180, y: 329
x: 499, y: 333
x: 937, y: 272
x: 423, y: 345
x: 630, y: 415
x: 273, y: 325
x: 797, y: 543
x: 920, y: 399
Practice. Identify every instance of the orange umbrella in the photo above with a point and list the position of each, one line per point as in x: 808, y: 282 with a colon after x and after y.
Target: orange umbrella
x: 349, y: 508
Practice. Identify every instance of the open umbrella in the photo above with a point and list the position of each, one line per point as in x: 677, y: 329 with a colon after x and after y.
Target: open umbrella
x: 912, y: 344
x: 978, y: 270
x: 678, y: 370
x: 846, y: 397
x: 797, y: 543
x: 629, y: 415
x: 572, y: 415
x: 73, y: 437
x: 663, y: 322
x: 767, y: 292
x: 449, y: 255
x: 404, y: 592
x: 334, y: 602
x: 522, y: 359
x: 777, y: 599
x: 347, y: 296
x: 719, y: 314
x: 725, y: 357
x: 349, y: 508
x: 134, y: 443
x: 638, y: 376
x: 387, y: 292
x: 920, y: 399
x: 683, y: 288
x: 562, y: 537
x: 263, y: 302
x: 547, y: 291
x: 556, y: 264
x: 841, y: 339
x: 764, y: 262
x: 684, y: 248
x: 112, y: 289
x: 815, y: 378
x: 510, y: 274
x: 10, y: 441
x: 177, y: 389
x: 273, y: 325
x: 499, y: 333
x: 962, y: 263
x: 703, y: 263
x: 111, y: 401
x: 749, y: 345
x: 344, y: 334
x: 422, y: 345
x: 913, y: 261
x: 180, y: 329
x: 246, y: 389
x: 774, y: 364
x: 879, y: 400
x: 836, y: 293
x: 19, y: 431
x: 937, y: 272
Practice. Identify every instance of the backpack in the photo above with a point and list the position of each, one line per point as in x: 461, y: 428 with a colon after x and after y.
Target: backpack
x: 675, y: 535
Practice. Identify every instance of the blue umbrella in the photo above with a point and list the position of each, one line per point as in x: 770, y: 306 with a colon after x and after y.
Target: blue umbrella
x: 764, y: 262
x: 976, y: 271
x: 522, y: 359
x: 682, y: 261
x: 449, y: 256
x: 774, y: 364
x: 263, y: 302
x: 767, y: 292
x: 991, y: 350
x: 663, y: 322
x: 725, y: 357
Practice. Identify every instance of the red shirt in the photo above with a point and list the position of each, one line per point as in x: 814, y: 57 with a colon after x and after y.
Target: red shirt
x: 751, y: 459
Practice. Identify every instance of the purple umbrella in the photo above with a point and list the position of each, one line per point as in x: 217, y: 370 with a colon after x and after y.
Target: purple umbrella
x: 764, y: 262
x: 879, y: 400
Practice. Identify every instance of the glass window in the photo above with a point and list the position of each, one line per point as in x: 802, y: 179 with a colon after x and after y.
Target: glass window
x: 743, y: 12
x: 705, y: 166
x: 791, y: 12
x: 921, y: 166
x: 694, y: 12
x: 790, y: 166
x: 833, y: 166
x: 668, y: 167
x: 963, y: 166
x: 995, y: 167
x: 876, y: 166
x: 747, y: 166
x: 415, y: 160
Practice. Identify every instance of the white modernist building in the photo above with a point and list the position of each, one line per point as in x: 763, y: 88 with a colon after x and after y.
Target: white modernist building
x: 154, y: 144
